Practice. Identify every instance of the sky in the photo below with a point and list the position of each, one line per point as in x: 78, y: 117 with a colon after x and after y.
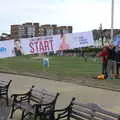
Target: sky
x: 83, y: 15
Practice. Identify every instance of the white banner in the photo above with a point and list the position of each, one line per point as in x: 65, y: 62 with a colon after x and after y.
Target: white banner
x: 6, y: 48
x: 39, y: 44
x: 76, y: 40
x: 45, y: 44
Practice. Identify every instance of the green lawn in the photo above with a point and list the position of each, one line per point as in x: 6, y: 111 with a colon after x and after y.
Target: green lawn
x: 62, y: 66
x: 72, y: 69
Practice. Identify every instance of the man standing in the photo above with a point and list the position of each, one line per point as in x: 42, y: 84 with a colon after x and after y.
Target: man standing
x: 104, y: 55
x: 117, y: 59
x: 111, y: 62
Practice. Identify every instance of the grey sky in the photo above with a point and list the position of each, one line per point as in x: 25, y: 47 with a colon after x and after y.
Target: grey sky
x: 83, y: 15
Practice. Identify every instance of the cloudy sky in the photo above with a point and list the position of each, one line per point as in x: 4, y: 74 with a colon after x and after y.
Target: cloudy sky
x: 83, y: 15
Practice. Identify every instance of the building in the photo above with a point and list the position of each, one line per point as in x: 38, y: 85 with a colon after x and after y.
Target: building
x: 25, y: 30
x: 16, y: 31
x: 36, y: 25
x: 29, y: 29
x: 47, y: 29
x: 53, y: 30
x: 64, y: 29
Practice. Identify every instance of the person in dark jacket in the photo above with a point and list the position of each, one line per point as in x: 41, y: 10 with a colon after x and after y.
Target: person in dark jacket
x: 111, y: 62
x: 117, y: 59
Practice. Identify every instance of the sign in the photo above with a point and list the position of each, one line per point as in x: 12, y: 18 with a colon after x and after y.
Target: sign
x: 44, y: 44
x: 39, y: 44
x: 116, y: 40
x: 6, y: 48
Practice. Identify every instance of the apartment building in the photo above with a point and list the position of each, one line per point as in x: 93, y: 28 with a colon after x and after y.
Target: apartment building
x: 29, y: 29
x: 47, y: 29
x: 25, y: 30
x: 17, y: 31
x: 64, y: 29
x: 54, y: 29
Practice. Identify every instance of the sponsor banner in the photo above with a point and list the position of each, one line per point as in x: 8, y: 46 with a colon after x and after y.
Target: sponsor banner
x: 116, y: 40
x: 75, y: 40
x: 56, y: 42
x: 39, y: 44
x: 44, y: 44
x: 6, y: 48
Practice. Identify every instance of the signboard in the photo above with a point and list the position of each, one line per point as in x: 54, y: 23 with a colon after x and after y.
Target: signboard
x: 6, y: 49
x: 116, y: 40
x: 44, y: 44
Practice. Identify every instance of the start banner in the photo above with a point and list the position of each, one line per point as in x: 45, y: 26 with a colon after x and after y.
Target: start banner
x: 44, y: 44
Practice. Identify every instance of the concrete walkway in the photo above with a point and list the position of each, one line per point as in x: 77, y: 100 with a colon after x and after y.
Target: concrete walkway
x: 108, y: 99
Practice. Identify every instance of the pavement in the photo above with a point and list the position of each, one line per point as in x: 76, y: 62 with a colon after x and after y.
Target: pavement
x: 110, y: 100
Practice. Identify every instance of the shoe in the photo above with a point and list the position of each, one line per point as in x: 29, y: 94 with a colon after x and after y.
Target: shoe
x: 109, y: 78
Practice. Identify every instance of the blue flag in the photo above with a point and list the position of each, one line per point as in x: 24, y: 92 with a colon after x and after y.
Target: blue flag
x: 116, y: 40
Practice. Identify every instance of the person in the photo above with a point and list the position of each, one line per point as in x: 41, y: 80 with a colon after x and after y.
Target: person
x: 117, y: 59
x: 104, y: 55
x: 63, y: 44
x: 111, y: 62
x: 18, y: 51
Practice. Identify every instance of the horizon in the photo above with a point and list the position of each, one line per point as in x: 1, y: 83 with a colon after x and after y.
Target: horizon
x: 81, y: 15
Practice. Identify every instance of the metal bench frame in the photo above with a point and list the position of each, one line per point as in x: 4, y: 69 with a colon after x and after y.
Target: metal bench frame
x: 79, y: 111
x: 39, y: 103
x: 4, y: 86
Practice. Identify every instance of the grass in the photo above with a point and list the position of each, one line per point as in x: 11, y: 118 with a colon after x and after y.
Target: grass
x: 76, y: 69
x: 63, y: 66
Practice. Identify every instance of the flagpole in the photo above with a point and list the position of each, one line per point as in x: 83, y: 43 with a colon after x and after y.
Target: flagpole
x: 112, y: 19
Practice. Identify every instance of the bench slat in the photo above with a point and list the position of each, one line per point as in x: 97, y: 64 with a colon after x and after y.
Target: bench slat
x: 82, y: 109
x: 81, y: 114
x: 78, y: 118
x: 104, y: 117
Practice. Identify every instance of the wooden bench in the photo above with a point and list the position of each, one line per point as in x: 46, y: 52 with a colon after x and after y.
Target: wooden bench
x: 4, y: 86
x: 79, y: 111
x: 36, y: 102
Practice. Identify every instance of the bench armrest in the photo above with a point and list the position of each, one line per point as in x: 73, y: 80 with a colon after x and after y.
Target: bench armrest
x: 4, y: 83
x: 13, y: 95
x: 61, y: 113
x: 20, y: 97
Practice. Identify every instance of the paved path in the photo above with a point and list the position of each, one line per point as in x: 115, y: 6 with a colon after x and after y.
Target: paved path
x: 108, y: 99
x: 4, y: 110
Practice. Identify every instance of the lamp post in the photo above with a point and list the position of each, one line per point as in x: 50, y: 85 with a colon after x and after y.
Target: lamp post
x: 112, y: 19
x: 101, y: 34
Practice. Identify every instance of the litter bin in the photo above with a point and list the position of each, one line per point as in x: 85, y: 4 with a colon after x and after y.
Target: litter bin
x: 46, y: 62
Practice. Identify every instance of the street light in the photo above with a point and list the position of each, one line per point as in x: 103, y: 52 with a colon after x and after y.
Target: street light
x: 101, y: 33
x: 112, y: 19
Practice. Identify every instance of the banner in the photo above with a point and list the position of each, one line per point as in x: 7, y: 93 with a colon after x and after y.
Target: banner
x: 56, y: 42
x: 116, y: 40
x: 77, y: 40
x: 6, y: 48
x: 39, y: 44
x: 45, y: 44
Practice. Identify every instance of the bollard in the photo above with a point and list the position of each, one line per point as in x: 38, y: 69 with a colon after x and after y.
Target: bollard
x: 46, y: 62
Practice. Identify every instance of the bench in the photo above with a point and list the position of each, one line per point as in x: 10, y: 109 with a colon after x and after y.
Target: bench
x: 79, y: 111
x: 36, y: 102
x: 4, y: 86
